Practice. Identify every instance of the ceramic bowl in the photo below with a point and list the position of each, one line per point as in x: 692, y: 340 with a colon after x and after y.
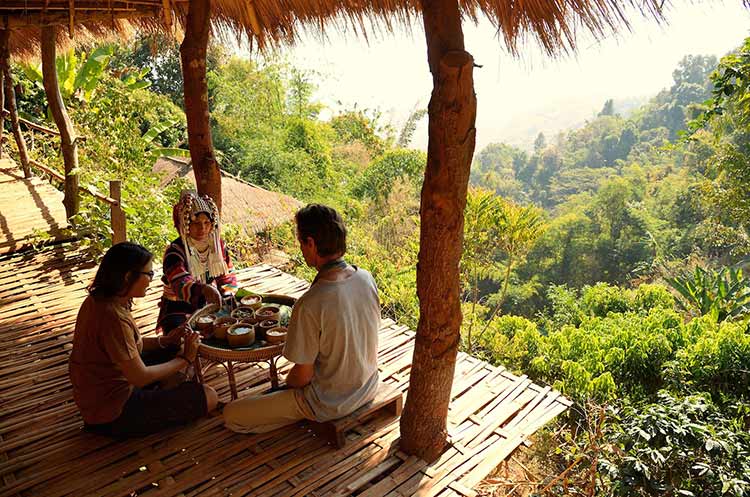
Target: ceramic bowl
x: 240, y: 335
x: 221, y: 326
x: 276, y: 335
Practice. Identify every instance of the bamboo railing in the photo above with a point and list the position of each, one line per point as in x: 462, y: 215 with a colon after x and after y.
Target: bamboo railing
x: 114, y: 200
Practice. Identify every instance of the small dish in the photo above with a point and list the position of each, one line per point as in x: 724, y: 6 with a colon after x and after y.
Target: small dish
x: 253, y: 301
x: 276, y: 335
x: 240, y: 335
x: 221, y: 326
x: 244, y: 313
x: 265, y: 325
x: 268, y: 312
x: 205, y: 324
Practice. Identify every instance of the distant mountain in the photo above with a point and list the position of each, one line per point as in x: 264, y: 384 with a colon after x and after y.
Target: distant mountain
x: 523, y: 128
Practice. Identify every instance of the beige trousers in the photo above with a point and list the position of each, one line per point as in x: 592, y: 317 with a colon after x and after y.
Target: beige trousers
x: 264, y: 413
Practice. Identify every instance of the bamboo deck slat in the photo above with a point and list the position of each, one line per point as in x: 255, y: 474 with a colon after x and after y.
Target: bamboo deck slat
x: 43, y: 451
x: 28, y: 207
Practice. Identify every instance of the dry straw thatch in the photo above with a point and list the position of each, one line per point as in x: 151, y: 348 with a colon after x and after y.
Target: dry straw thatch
x: 267, y: 23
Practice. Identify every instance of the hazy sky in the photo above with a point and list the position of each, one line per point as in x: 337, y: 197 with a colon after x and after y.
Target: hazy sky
x: 391, y: 74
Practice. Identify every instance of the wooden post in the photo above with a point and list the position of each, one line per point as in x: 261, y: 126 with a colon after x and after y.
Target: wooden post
x: 193, y: 55
x: 10, y: 99
x: 117, y: 215
x: 452, y: 114
x: 57, y: 108
x: 4, y: 40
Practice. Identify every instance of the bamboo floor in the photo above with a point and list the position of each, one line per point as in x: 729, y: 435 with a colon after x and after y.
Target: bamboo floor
x: 28, y: 208
x: 44, y: 452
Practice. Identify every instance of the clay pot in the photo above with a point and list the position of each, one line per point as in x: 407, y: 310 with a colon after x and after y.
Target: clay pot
x: 244, y: 313
x: 221, y: 326
x: 240, y: 335
x: 205, y: 324
x: 253, y: 301
x: 276, y: 335
x: 263, y: 326
x: 267, y: 312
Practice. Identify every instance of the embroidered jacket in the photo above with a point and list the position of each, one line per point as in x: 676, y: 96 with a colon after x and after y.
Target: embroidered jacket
x: 182, y: 292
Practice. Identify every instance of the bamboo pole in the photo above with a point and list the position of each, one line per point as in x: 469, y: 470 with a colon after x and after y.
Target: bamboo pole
x: 452, y: 114
x: 64, y: 125
x: 117, y: 215
x: 10, y: 97
x: 193, y: 54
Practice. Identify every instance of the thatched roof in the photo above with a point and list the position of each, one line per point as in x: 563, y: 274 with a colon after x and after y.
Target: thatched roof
x: 554, y: 24
x: 250, y: 207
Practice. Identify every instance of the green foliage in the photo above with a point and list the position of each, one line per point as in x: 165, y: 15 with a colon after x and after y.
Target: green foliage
x: 601, y: 299
x: 378, y: 179
x: 717, y: 360
x: 722, y: 294
x: 676, y: 446
x: 78, y: 74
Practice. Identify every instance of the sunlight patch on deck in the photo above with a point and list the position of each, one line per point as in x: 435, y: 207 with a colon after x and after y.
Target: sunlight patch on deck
x: 43, y: 451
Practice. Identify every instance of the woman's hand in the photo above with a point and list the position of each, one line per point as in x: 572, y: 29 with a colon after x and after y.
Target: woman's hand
x: 175, y: 336
x: 192, y: 340
x: 211, y: 294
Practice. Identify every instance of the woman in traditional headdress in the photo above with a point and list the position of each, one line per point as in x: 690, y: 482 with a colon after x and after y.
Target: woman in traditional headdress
x: 197, y: 267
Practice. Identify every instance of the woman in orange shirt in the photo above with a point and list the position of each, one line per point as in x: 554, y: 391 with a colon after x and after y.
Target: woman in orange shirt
x: 115, y: 372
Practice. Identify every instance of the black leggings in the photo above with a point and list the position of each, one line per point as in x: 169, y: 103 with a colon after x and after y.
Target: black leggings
x: 151, y: 409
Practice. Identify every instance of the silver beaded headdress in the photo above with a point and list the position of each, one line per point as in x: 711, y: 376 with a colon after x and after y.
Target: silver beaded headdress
x: 187, y: 209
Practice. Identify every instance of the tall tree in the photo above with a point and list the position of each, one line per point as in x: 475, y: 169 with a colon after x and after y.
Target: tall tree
x: 452, y: 114
x: 64, y: 125
x: 193, y: 53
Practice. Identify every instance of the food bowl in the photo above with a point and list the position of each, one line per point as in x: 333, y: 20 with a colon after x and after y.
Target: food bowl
x: 253, y: 301
x: 267, y: 312
x: 244, y: 313
x: 221, y: 326
x: 276, y: 335
x: 205, y: 324
x: 265, y: 325
x: 240, y: 335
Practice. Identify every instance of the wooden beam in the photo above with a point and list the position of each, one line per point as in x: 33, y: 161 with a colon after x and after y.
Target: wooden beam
x: 117, y: 215
x: 57, y: 108
x: 62, y: 19
x: 452, y: 114
x: 89, y: 190
x: 10, y: 98
x: 193, y: 54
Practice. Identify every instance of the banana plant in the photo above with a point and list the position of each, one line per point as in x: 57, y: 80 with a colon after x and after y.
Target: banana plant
x: 723, y: 294
x: 79, y: 75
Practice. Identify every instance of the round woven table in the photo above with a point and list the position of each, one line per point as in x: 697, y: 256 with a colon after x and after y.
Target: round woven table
x: 226, y: 357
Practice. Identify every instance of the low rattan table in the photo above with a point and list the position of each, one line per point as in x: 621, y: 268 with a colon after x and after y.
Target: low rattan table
x: 226, y: 357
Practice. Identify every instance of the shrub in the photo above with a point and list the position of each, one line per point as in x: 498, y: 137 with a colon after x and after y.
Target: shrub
x: 601, y: 299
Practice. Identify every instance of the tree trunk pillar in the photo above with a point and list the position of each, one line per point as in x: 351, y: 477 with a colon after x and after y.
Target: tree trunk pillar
x: 193, y: 55
x: 10, y: 99
x: 60, y: 115
x: 452, y: 114
x: 4, y: 40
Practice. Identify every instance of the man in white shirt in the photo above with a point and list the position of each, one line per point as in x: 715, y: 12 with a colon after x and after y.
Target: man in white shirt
x: 332, y: 338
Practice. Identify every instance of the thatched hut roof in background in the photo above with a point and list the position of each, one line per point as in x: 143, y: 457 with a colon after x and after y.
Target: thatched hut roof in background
x: 266, y: 23
x: 252, y: 208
